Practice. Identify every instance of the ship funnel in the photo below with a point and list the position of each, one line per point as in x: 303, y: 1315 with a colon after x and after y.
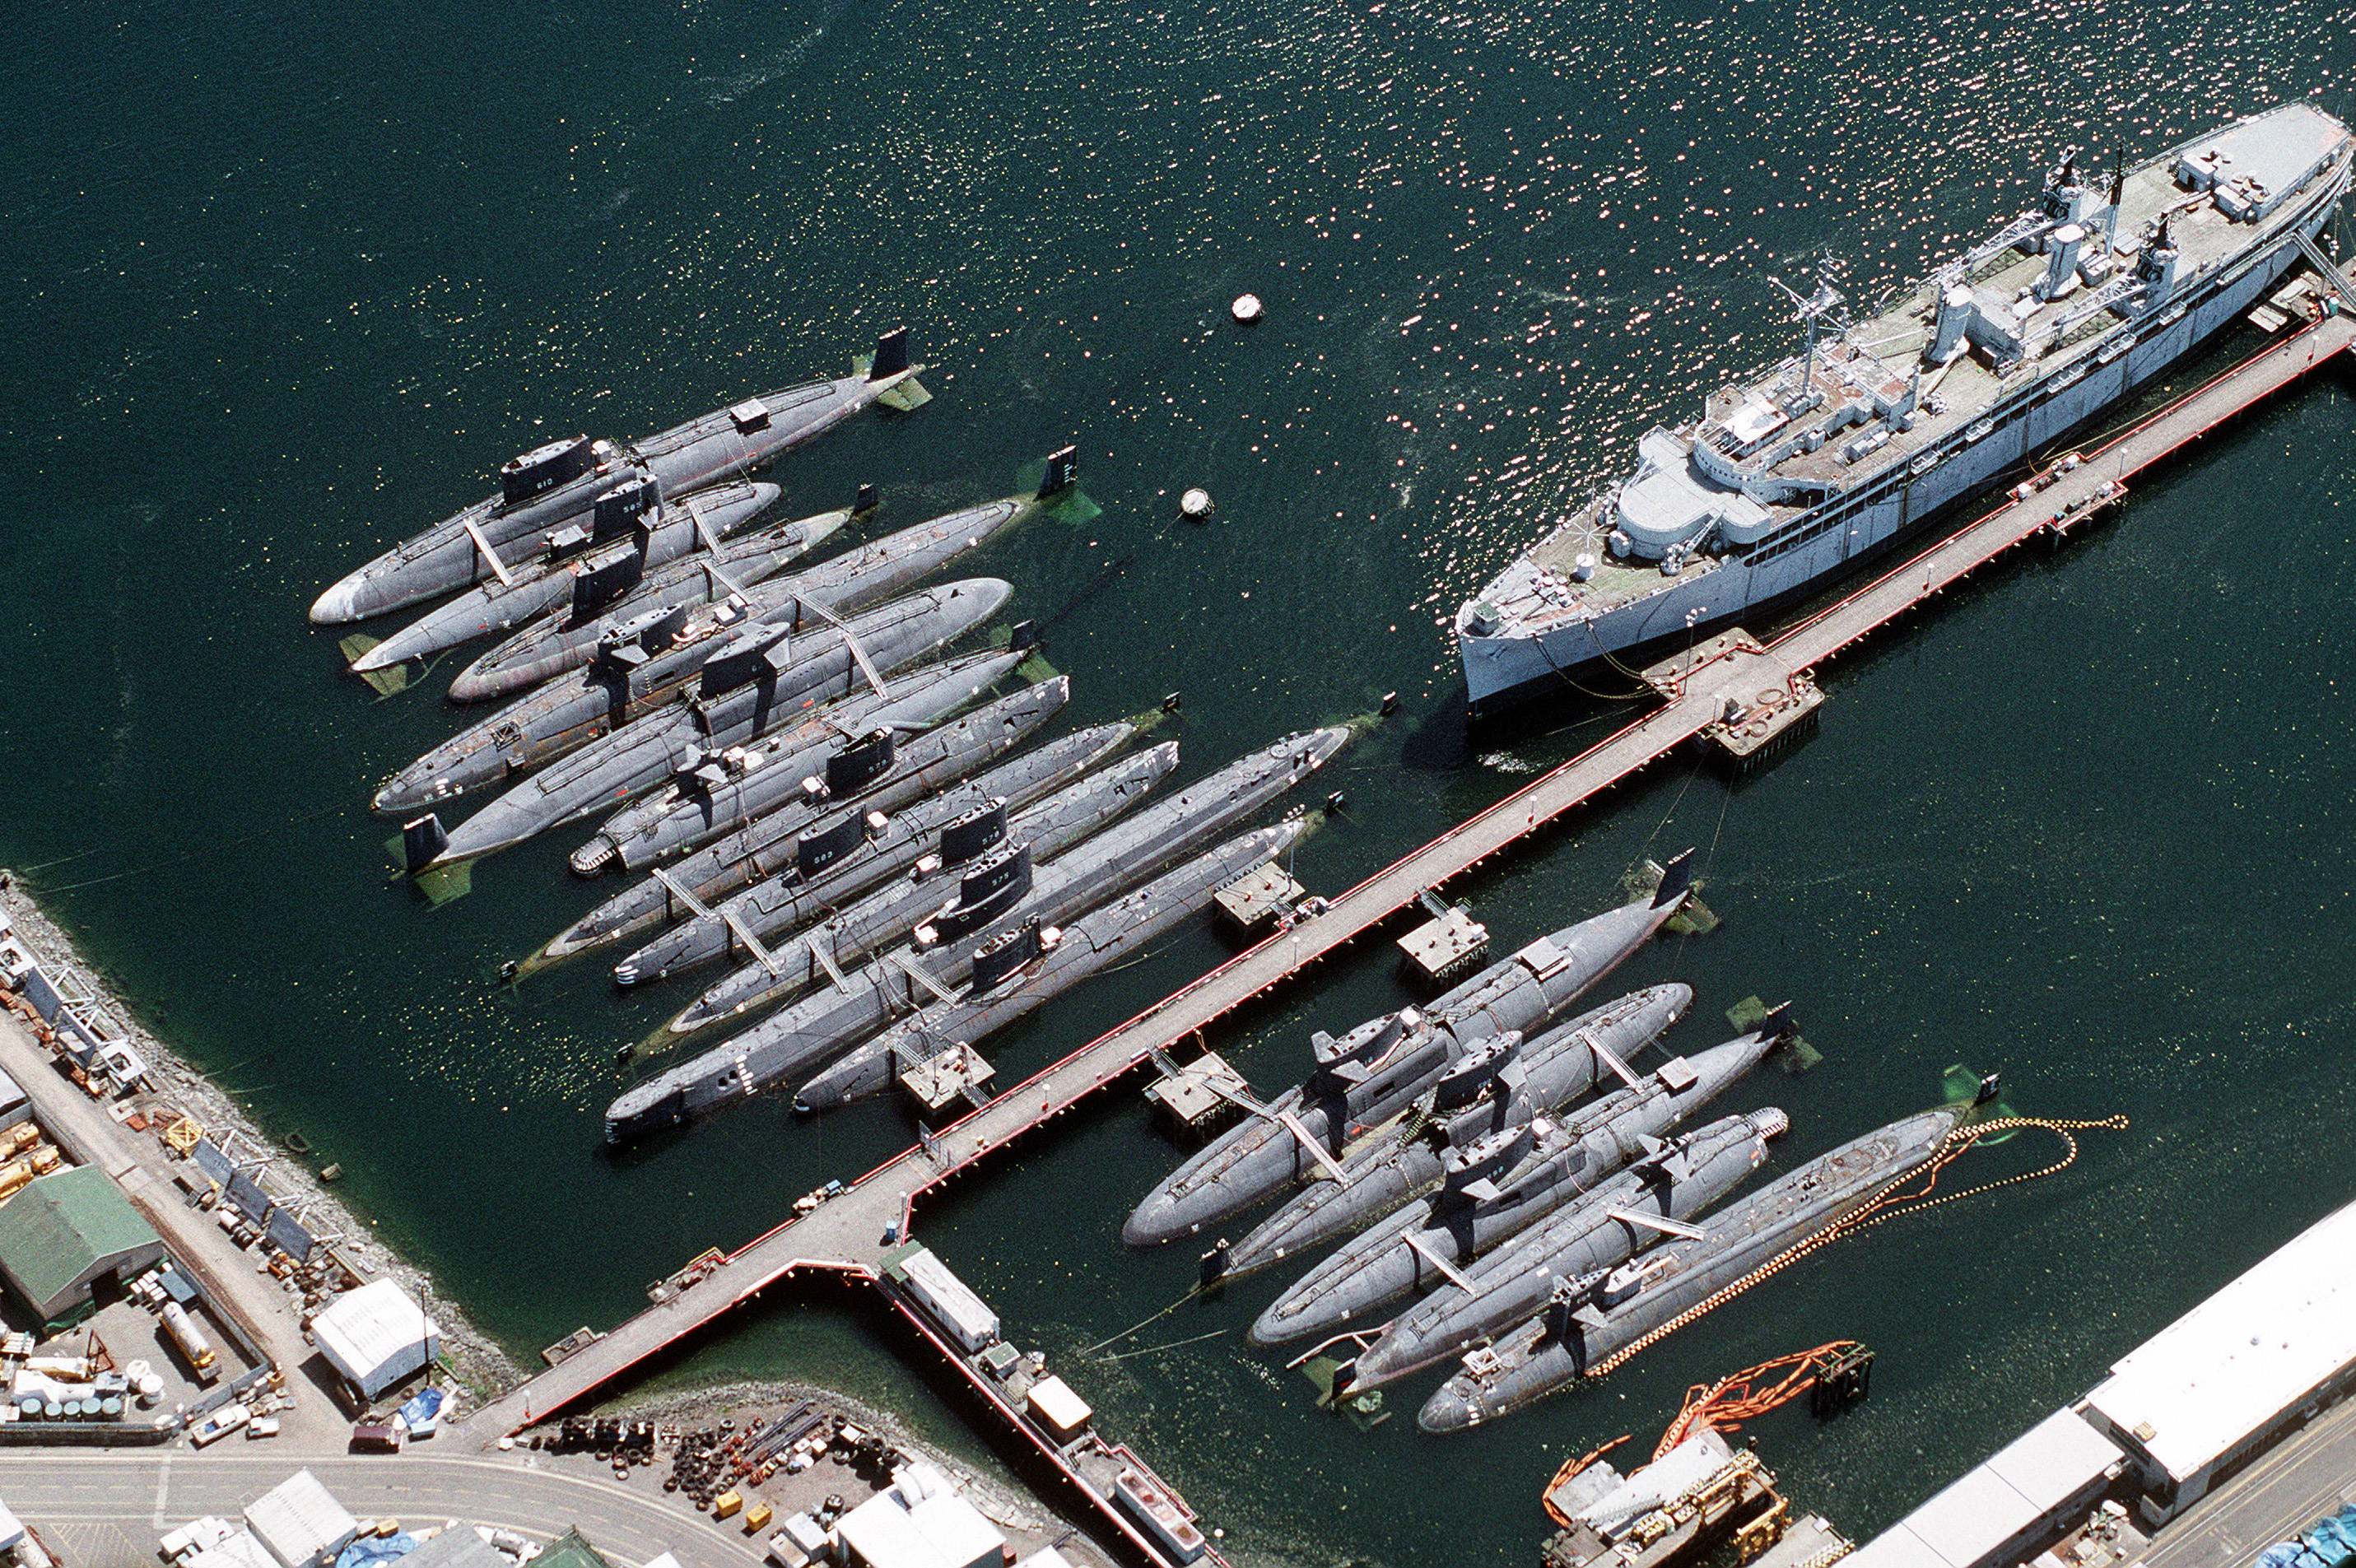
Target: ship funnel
x: 2157, y: 268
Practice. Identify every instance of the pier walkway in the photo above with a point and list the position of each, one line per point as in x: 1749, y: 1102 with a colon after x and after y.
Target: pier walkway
x: 1731, y: 689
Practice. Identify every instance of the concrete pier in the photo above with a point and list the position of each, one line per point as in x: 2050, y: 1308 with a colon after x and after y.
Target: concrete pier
x: 1733, y: 690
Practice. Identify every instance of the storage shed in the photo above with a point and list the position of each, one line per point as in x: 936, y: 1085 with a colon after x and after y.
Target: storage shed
x: 376, y: 1336
x: 67, y: 1234
x: 460, y: 1546
x: 300, y: 1522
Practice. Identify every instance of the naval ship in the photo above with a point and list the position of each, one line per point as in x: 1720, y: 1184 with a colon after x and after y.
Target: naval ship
x: 1794, y: 473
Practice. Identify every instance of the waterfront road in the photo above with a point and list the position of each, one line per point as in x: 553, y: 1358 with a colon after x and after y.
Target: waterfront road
x: 107, y: 1510
x: 2309, y: 1474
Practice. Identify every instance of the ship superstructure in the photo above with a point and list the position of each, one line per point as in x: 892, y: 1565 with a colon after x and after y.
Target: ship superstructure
x: 1793, y: 474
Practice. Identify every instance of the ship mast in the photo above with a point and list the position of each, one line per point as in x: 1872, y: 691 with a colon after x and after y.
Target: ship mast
x: 1809, y: 311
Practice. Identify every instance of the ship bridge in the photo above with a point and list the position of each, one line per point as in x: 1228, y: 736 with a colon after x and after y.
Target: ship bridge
x: 1674, y: 502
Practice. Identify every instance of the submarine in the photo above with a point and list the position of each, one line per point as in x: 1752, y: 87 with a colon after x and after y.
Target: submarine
x: 1507, y: 1274
x: 746, y: 696
x: 1476, y: 1208
x: 1087, y: 868
x: 854, y: 581
x: 1490, y: 1092
x: 833, y: 862
x: 1378, y: 1068
x: 1018, y: 971
x: 640, y: 534
x: 743, y: 785
x: 850, y: 933
x: 810, y: 1031
x: 556, y: 482
x: 1587, y: 1320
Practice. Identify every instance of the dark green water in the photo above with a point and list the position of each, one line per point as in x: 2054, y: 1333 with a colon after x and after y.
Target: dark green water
x: 290, y: 281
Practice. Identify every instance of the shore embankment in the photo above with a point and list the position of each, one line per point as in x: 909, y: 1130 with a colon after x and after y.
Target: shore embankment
x: 173, y: 1083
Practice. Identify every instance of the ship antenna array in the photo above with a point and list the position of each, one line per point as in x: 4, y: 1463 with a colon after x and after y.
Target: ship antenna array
x: 1810, y: 311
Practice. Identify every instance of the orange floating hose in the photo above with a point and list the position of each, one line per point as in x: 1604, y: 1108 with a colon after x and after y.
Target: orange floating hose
x: 1726, y: 1405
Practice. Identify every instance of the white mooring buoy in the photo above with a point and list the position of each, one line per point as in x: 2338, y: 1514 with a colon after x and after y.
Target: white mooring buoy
x: 1195, y: 504
x: 1246, y: 308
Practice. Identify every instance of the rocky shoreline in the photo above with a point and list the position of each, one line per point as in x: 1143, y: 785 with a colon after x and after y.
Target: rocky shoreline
x: 480, y: 1361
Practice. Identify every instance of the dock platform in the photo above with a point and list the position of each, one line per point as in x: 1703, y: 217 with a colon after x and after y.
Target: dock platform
x: 1704, y: 693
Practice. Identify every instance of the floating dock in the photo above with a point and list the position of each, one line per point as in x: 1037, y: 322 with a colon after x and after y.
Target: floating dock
x: 1720, y: 690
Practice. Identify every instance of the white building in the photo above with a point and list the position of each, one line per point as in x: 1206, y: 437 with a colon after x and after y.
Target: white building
x: 376, y: 1336
x: 919, y: 1522
x: 2221, y: 1382
x: 299, y: 1523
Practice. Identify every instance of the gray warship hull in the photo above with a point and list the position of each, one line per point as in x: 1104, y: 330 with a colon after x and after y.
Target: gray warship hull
x: 549, y: 577
x: 1259, y: 1159
x: 1558, y: 1348
x: 713, y: 446
x: 1787, y: 521
x: 752, y: 859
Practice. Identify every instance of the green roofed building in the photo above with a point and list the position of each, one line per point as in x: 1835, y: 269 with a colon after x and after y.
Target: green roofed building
x: 62, y: 1234
x: 571, y: 1550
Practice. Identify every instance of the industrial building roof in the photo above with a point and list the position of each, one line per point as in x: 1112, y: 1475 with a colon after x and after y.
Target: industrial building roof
x: 300, y: 1520
x: 879, y: 1533
x: 240, y: 1550
x: 362, y: 1330
x: 959, y: 1535
x: 571, y: 1550
x: 2230, y: 1368
x: 2059, y: 1461
x: 63, y: 1225
x: 460, y: 1546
